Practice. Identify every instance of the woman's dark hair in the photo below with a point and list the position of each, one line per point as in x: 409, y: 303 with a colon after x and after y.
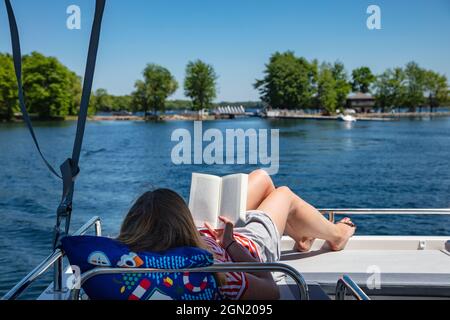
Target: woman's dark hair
x: 159, y: 220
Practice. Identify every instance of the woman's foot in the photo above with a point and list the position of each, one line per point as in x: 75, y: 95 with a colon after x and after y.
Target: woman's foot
x: 346, y: 229
x: 304, y: 245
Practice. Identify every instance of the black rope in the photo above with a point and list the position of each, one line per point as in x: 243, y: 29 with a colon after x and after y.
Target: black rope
x: 69, y: 169
x: 84, y: 106
x: 17, y: 56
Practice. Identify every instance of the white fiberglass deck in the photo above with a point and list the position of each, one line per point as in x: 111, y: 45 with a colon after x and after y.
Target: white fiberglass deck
x: 408, y: 265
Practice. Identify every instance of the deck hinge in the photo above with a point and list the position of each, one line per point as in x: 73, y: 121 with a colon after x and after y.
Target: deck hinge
x: 422, y: 245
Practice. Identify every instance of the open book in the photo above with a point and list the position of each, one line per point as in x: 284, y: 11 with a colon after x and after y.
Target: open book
x: 212, y: 196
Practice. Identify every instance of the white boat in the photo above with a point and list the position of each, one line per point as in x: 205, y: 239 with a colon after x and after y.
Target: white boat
x: 370, y: 267
x: 346, y: 118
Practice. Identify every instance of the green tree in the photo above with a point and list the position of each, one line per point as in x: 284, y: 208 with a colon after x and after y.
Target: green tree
x: 153, y: 91
x: 436, y: 86
x: 92, y: 110
x: 200, y: 84
x: 122, y: 103
x: 179, y: 104
x: 289, y: 81
x: 103, y: 100
x: 51, y: 88
x: 8, y: 88
x: 140, y: 98
x: 342, y: 85
x: 415, y: 86
x: 390, y: 89
x: 326, y: 89
x: 75, y: 93
x: 362, y: 79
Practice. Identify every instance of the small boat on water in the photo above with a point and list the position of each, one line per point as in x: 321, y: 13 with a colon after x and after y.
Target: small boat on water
x: 346, y: 118
x: 121, y: 113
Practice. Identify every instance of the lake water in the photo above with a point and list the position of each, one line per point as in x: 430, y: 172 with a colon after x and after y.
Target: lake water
x: 389, y: 164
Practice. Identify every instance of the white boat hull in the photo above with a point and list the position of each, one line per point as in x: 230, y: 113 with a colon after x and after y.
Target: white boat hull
x: 346, y: 118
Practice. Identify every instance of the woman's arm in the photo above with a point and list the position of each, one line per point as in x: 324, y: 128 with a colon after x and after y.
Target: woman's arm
x: 261, y: 285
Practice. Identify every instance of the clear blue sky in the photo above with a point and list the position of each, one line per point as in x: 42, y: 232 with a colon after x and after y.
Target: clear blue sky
x: 236, y: 36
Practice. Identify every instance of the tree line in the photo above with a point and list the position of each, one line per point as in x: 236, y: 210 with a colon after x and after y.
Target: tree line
x: 158, y: 84
x: 289, y: 82
x: 292, y: 82
x: 51, y: 89
x: 54, y: 91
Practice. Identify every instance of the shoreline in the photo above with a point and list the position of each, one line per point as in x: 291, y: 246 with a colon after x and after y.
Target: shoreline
x: 359, y: 116
x: 280, y: 115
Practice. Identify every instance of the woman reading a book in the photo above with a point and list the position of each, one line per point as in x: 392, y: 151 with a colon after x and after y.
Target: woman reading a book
x: 161, y: 220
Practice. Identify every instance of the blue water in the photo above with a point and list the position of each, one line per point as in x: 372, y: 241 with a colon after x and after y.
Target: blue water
x: 398, y: 164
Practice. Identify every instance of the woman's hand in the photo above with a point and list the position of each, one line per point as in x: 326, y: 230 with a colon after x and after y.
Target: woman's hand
x: 225, y: 236
x: 260, y: 284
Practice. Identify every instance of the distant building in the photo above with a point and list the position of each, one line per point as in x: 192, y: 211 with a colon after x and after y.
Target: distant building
x: 361, y: 102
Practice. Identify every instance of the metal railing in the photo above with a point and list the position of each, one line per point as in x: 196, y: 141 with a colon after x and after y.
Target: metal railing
x: 55, y: 259
x: 223, y: 267
x: 346, y: 284
x: 333, y: 212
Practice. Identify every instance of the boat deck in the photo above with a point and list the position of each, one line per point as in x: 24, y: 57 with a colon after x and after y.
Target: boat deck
x: 416, y: 266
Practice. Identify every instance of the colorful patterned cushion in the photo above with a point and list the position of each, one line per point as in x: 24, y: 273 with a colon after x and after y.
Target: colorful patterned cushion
x: 88, y: 252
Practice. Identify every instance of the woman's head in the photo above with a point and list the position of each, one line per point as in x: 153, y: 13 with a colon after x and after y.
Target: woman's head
x: 159, y: 220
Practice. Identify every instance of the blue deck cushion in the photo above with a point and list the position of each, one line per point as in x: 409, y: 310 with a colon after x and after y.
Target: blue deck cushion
x: 88, y: 252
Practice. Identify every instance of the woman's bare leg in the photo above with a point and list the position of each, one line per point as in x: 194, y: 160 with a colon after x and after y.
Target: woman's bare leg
x: 298, y: 219
x: 260, y: 186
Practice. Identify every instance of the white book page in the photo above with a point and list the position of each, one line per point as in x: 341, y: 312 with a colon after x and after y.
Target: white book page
x: 233, y: 202
x: 204, y: 199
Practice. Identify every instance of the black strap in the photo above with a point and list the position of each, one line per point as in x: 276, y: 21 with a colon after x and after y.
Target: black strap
x: 69, y: 180
x: 69, y: 169
x: 17, y: 56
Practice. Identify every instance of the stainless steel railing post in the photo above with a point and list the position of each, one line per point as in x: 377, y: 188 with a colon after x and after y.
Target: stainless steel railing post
x: 346, y: 283
x: 224, y: 267
x: 98, y: 227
